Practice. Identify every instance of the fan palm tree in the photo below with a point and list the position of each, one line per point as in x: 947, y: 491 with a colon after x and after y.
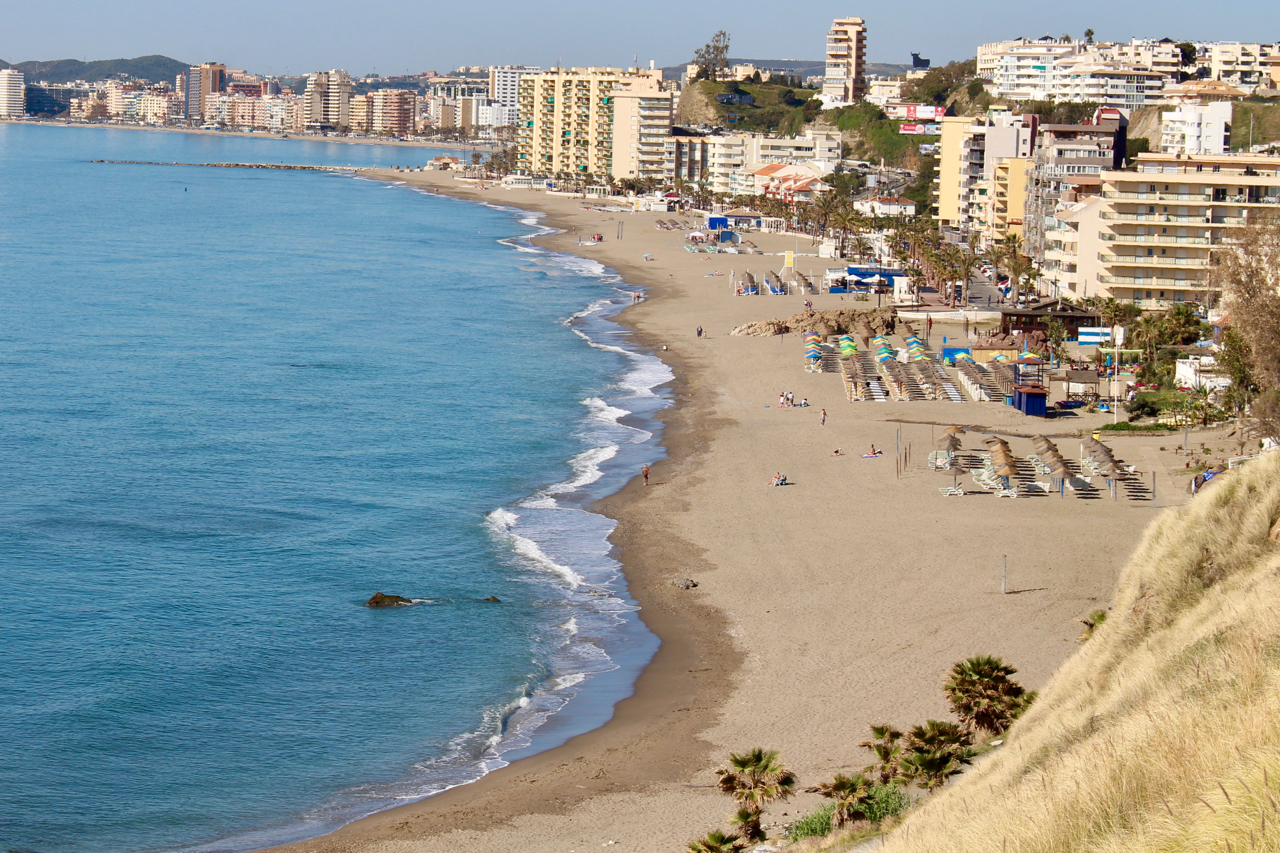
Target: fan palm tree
x: 850, y: 794
x: 716, y: 841
x: 983, y: 695
x: 934, y: 752
x: 885, y: 744
x: 754, y: 779
x: 930, y: 769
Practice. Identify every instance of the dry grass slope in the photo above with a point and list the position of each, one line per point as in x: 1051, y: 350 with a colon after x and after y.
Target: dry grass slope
x: 1163, y: 732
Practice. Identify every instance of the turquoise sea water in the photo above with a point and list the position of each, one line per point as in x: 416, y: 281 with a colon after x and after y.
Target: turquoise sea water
x: 233, y: 405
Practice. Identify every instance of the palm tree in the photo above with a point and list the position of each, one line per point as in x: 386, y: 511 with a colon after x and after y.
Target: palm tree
x: 930, y: 769
x: 934, y: 752
x: 845, y: 220
x: 884, y: 744
x: 982, y: 694
x: 716, y: 841
x: 754, y: 779
x: 850, y: 794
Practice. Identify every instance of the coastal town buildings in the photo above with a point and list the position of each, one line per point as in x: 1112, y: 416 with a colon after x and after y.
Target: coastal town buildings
x: 327, y: 101
x: 846, y: 61
x: 566, y: 123
x: 969, y: 151
x: 201, y: 81
x: 12, y: 93
x: 727, y: 161
x: 1065, y: 168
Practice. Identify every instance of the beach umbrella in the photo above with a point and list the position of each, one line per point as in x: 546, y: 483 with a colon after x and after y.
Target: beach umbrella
x: 954, y: 430
x: 812, y: 346
x: 948, y: 442
x: 847, y: 346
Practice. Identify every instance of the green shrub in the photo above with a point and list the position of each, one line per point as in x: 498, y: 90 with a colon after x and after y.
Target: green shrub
x: 815, y: 824
x: 885, y: 801
x: 1124, y: 426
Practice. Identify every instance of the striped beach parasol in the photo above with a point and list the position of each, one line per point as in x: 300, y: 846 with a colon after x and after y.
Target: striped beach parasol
x: 812, y: 345
x: 847, y: 345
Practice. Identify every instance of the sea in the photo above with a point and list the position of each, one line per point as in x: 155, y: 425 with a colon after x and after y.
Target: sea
x: 234, y: 404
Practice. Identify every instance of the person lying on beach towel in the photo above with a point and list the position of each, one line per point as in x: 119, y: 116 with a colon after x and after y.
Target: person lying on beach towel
x: 873, y: 454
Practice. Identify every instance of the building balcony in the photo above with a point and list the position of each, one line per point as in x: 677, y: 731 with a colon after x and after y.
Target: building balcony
x: 1154, y: 217
x: 1153, y: 260
x: 1158, y: 196
x: 1190, y: 283
x: 1158, y: 239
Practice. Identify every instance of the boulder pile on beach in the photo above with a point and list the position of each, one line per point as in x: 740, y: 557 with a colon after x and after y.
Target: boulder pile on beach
x: 877, y: 321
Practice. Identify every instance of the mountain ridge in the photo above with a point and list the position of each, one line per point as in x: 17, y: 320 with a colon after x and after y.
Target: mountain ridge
x: 154, y: 67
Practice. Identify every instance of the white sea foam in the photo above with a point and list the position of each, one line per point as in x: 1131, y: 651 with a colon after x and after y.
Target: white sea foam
x: 501, y: 521
x: 602, y: 411
x: 566, y: 681
x: 570, y: 627
x: 586, y: 468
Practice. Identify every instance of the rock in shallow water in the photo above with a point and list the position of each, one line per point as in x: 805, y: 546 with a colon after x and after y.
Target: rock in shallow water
x: 382, y: 600
x: 493, y: 598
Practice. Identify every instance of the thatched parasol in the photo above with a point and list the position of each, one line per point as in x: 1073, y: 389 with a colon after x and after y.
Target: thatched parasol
x: 954, y: 430
x: 949, y: 443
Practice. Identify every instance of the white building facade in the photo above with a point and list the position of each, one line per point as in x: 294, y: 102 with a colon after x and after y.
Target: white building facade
x: 12, y: 94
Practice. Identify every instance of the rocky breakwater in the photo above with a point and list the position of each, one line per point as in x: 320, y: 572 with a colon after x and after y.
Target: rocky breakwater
x: 282, y: 166
x: 842, y: 321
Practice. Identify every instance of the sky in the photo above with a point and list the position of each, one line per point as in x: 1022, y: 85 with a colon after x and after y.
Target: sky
x: 398, y: 36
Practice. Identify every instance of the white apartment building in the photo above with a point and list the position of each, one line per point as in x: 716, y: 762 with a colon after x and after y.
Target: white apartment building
x: 845, y: 80
x: 12, y: 94
x: 1028, y: 72
x: 1196, y: 129
x: 727, y: 162
x: 1085, y: 79
x: 504, y: 83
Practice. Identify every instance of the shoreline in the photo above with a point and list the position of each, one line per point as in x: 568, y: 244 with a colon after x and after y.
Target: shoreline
x: 670, y: 701
x: 807, y: 625
x: 261, y: 134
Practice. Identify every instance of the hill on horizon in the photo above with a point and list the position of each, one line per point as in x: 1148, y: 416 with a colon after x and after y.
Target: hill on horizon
x: 154, y: 68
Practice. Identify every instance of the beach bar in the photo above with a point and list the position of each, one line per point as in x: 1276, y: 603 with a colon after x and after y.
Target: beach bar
x: 1038, y: 317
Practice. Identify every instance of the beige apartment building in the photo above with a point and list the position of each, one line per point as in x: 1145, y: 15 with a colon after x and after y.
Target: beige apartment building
x: 845, y: 80
x: 641, y: 125
x: 565, y: 122
x: 1156, y: 227
x: 1006, y: 197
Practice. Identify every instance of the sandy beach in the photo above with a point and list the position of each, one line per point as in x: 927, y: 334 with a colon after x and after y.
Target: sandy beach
x: 833, y: 603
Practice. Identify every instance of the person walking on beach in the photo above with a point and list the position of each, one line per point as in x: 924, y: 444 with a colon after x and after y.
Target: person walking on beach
x: 645, y: 471
x: 823, y: 417
x: 699, y: 331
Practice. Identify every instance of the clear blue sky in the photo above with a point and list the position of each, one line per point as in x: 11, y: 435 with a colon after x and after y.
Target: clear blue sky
x: 394, y: 36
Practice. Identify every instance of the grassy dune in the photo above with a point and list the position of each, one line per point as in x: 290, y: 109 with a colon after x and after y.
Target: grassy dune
x: 1163, y: 732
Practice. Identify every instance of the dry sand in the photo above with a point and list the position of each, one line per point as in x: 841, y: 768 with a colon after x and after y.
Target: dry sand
x: 822, y: 607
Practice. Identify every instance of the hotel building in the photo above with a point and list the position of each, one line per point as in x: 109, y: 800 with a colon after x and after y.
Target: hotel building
x: 845, y: 79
